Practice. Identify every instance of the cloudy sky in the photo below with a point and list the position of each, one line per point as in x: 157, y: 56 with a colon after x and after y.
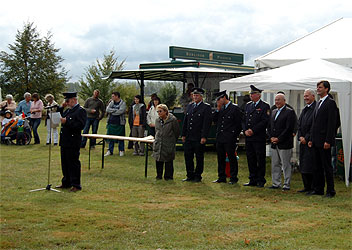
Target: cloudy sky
x: 142, y: 31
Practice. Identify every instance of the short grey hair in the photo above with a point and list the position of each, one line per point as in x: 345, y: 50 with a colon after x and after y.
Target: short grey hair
x: 27, y: 94
x: 9, y: 96
x: 310, y: 91
x: 47, y: 96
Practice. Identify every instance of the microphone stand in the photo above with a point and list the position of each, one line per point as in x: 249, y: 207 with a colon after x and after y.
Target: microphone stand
x: 48, y: 187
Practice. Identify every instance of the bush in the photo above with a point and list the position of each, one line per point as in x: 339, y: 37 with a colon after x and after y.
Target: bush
x: 168, y: 94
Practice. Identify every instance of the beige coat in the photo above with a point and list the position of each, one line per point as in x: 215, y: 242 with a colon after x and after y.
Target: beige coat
x: 12, y: 106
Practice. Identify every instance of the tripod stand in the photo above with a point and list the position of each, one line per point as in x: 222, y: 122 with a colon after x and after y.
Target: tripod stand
x: 48, y: 187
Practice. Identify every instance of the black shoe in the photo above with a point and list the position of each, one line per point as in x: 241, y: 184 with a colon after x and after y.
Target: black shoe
x: 285, y: 189
x: 158, y: 178
x: 329, y: 195
x: 47, y: 143
x: 250, y: 184
x: 314, y: 193
x: 63, y: 187
x: 187, y: 179
x: 197, y: 180
x: 219, y: 181
x: 273, y: 187
x: 55, y: 144
x: 261, y: 185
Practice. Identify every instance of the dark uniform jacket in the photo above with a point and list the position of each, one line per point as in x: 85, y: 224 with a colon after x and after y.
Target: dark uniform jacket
x: 70, y: 134
x: 166, y: 135
x: 324, y: 123
x: 256, y: 118
x: 197, y: 121
x: 228, y: 124
x: 282, y: 127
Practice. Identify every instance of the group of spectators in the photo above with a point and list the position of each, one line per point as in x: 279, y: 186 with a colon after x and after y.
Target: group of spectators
x: 32, y: 107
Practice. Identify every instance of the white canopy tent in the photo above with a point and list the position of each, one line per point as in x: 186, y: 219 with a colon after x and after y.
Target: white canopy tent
x: 331, y: 42
x: 303, y: 75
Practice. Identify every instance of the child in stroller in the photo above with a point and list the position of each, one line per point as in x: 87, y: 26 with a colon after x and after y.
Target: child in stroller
x: 15, y: 130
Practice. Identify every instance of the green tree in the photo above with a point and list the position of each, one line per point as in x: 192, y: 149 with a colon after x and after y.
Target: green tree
x: 127, y: 91
x: 32, y: 65
x: 168, y: 94
x: 96, y: 75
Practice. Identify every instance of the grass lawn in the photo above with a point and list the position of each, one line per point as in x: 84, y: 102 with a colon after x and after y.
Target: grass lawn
x: 120, y: 209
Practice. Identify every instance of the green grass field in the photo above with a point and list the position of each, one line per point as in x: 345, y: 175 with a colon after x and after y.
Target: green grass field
x: 120, y: 209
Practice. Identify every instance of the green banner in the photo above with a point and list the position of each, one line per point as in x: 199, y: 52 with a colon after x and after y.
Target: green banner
x: 205, y: 55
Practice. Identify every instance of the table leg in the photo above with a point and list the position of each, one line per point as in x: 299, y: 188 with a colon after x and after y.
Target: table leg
x: 146, y: 160
x: 102, y: 154
x: 89, y: 156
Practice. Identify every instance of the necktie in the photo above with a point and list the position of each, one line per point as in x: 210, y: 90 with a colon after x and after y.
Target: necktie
x: 317, y: 108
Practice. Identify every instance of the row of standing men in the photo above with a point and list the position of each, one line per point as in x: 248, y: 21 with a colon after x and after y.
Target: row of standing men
x: 316, y: 134
x: 316, y: 128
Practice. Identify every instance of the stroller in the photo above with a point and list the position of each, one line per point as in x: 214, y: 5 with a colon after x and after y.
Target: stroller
x: 17, y: 131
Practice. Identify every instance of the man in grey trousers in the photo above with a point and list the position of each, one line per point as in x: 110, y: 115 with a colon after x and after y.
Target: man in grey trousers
x: 280, y: 129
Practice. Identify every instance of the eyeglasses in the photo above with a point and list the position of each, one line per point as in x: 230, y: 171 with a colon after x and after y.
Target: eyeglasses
x: 159, y: 111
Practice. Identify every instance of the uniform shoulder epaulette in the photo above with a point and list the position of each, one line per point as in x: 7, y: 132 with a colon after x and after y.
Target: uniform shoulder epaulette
x: 206, y: 103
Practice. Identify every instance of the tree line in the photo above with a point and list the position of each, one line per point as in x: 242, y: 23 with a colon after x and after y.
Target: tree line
x: 33, y: 64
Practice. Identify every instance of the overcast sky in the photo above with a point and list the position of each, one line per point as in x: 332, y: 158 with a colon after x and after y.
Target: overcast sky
x: 142, y: 31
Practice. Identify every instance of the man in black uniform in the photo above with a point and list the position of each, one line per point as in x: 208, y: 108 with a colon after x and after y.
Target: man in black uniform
x: 196, y: 126
x: 257, y: 115
x: 73, y: 121
x: 228, y: 119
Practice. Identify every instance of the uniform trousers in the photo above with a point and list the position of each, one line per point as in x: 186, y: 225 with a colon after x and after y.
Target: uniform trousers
x: 256, y: 151
x: 280, y: 162
x: 169, y: 170
x: 229, y: 149
x: 192, y: 148
x: 71, y: 167
x: 323, y: 170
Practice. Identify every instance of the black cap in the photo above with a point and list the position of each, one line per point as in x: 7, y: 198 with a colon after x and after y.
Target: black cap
x: 198, y: 91
x: 69, y: 95
x: 280, y: 92
x: 255, y: 90
x: 220, y: 94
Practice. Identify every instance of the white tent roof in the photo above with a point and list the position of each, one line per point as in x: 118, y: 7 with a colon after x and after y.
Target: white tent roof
x: 331, y: 42
x: 303, y: 75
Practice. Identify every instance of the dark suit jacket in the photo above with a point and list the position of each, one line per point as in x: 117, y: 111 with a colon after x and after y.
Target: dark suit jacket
x: 70, y: 134
x: 256, y: 119
x: 324, y: 123
x: 228, y: 124
x: 282, y: 127
x: 197, y: 121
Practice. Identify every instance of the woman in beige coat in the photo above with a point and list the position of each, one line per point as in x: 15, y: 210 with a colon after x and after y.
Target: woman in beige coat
x: 9, y: 104
x: 167, y: 131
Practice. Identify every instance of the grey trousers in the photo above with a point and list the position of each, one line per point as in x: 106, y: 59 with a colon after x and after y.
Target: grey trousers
x: 138, y: 131
x: 280, y: 161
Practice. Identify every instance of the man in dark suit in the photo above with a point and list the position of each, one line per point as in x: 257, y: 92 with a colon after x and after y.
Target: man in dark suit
x: 254, y: 126
x: 303, y: 135
x: 196, y: 126
x: 228, y: 119
x: 280, y: 130
x: 73, y: 121
x: 323, y: 133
